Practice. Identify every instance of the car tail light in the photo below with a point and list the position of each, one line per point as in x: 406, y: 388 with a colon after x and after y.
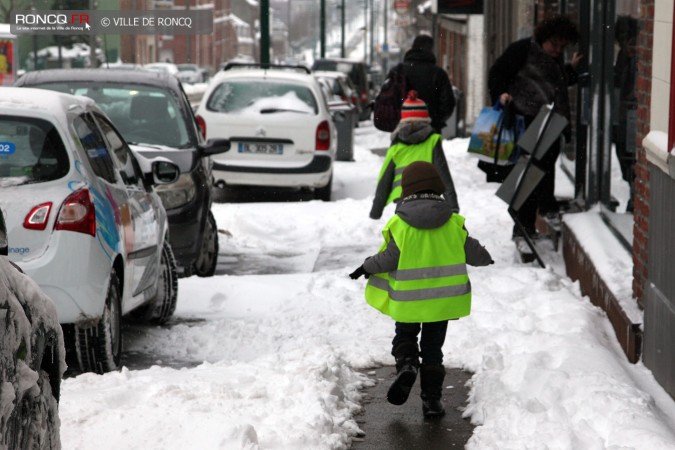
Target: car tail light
x: 364, y: 97
x: 323, y: 136
x: 77, y: 214
x: 344, y: 98
x: 355, y: 100
x: 201, y: 123
x: 38, y: 217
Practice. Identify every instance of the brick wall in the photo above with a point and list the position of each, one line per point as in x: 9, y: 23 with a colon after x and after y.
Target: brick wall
x: 644, y: 86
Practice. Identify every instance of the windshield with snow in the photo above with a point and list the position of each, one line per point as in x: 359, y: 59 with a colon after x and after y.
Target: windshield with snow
x: 262, y: 97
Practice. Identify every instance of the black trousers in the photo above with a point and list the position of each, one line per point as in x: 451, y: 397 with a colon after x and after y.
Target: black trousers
x: 431, y: 340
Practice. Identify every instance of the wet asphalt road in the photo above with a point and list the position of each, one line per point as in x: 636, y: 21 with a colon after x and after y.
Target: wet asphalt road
x: 390, y: 427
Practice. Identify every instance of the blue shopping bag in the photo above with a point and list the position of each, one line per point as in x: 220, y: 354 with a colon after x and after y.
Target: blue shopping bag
x: 495, y: 135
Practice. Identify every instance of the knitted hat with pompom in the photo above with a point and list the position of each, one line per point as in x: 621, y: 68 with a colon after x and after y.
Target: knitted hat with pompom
x: 414, y: 109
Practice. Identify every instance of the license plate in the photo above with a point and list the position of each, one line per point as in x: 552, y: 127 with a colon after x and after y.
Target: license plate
x: 259, y: 147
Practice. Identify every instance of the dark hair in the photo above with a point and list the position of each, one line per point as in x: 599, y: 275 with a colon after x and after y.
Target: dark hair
x: 625, y: 29
x: 423, y: 42
x: 556, y: 27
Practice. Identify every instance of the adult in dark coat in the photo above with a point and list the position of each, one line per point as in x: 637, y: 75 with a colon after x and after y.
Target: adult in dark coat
x: 531, y: 73
x: 430, y: 81
x: 625, y: 99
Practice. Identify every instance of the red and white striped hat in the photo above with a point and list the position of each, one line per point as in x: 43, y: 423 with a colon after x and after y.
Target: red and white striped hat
x: 414, y: 109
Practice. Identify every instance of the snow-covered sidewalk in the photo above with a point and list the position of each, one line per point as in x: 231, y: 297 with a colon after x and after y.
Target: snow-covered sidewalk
x: 274, y: 356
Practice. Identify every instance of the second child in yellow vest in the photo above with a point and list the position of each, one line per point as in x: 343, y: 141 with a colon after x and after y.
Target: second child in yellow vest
x: 419, y: 278
x: 413, y: 140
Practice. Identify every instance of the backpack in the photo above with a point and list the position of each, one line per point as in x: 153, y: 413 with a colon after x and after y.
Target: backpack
x: 387, y: 106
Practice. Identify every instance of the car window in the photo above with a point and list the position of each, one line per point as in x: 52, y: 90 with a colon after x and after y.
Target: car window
x: 122, y: 157
x: 142, y: 114
x: 325, y: 65
x: 95, y: 148
x: 355, y: 70
x: 337, y: 88
x: 245, y: 96
x: 31, y: 151
x: 326, y: 88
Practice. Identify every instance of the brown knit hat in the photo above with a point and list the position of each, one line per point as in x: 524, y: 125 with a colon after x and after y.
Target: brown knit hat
x: 421, y: 176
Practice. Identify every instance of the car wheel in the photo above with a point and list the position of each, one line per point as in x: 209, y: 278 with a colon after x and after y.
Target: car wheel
x: 324, y: 193
x: 99, y: 347
x: 34, y: 423
x: 161, y: 308
x: 205, y: 266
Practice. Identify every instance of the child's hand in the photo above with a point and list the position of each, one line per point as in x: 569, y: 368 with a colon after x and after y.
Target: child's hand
x: 358, y: 272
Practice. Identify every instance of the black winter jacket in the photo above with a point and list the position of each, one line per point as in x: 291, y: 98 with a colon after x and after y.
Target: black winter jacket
x: 532, y: 77
x: 432, y: 85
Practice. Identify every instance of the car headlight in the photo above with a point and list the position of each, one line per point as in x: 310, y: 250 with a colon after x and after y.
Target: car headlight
x: 178, y: 193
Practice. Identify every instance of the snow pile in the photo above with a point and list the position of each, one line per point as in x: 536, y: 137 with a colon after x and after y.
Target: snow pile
x: 27, y: 316
x: 269, y: 361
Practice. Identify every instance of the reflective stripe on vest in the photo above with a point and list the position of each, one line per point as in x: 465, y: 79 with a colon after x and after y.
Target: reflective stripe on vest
x: 421, y: 294
x: 439, y: 289
x: 403, y: 154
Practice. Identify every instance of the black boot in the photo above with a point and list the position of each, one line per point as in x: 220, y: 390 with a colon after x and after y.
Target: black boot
x: 407, y: 365
x: 431, y: 382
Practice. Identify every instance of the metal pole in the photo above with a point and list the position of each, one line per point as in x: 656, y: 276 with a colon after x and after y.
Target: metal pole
x: 342, y: 18
x: 188, y: 41
x: 365, y: 30
x: 264, y: 31
x: 289, y: 27
x: 385, y: 44
x: 322, y: 26
x: 35, y: 52
x: 92, y: 40
x: 372, y: 31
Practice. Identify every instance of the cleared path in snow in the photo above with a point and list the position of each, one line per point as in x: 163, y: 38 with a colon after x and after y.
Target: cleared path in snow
x: 389, y: 427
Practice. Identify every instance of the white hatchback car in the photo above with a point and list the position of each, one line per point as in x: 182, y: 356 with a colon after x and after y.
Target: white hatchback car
x: 83, y: 219
x: 281, y: 131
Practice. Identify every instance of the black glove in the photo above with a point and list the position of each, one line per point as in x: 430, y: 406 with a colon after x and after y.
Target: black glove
x: 358, y: 272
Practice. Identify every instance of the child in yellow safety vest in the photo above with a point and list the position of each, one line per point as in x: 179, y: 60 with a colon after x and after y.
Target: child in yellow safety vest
x: 413, y: 140
x: 419, y: 278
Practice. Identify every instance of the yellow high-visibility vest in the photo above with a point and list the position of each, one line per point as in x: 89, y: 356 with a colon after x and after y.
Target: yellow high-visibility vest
x: 431, y: 282
x: 402, y: 155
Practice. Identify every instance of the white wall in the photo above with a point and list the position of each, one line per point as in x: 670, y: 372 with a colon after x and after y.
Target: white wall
x: 663, y: 41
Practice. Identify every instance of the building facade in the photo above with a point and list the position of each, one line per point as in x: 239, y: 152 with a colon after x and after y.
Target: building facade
x: 620, y: 159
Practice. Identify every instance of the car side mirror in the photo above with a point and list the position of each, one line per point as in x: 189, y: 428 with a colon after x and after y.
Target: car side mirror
x: 164, y: 172
x: 215, y: 146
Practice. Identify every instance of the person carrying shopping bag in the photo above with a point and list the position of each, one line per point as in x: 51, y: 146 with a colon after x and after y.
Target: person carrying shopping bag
x: 529, y: 74
x: 413, y: 140
x: 419, y: 278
